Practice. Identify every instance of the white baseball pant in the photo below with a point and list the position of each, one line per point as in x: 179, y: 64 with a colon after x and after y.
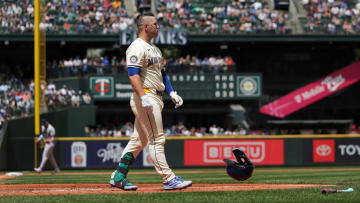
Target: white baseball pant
x: 148, y: 129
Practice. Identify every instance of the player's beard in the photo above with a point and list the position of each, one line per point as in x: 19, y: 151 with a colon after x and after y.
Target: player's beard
x: 155, y: 34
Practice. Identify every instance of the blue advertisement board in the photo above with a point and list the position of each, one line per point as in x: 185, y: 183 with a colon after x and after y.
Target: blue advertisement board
x: 96, y: 154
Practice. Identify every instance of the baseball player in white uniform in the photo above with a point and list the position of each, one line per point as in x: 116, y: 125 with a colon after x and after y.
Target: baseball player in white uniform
x: 48, y: 135
x: 149, y: 81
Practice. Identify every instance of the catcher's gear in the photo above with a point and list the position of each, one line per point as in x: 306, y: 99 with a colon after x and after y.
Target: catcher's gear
x: 242, y: 169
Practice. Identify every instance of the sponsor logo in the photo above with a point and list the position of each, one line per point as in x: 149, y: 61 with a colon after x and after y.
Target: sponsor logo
x: 122, y: 86
x: 298, y: 99
x: 323, y: 150
x: 329, y: 82
x: 79, y: 159
x: 349, y: 150
x: 133, y: 59
x: 248, y: 86
x: 215, y: 152
x: 78, y: 154
x: 112, y: 152
x: 123, y: 90
x: 102, y: 86
x: 333, y: 83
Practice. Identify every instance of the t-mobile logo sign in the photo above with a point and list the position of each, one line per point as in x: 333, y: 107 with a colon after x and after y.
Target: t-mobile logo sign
x: 215, y: 152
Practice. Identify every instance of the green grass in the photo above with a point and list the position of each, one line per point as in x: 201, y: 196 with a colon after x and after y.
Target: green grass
x: 341, y: 178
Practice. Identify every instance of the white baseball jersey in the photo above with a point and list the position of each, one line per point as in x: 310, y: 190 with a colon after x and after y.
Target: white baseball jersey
x: 148, y: 127
x: 48, y: 153
x: 148, y: 58
x: 48, y: 132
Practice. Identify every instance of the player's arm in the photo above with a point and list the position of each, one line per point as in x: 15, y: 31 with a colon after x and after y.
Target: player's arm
x: 135, y: 81
x: 135, y: 61
x: 170, y: 90
x: 41, y: 136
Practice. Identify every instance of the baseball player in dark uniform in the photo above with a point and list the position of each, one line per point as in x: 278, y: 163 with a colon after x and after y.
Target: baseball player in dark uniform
x: 48, y: 135
x: 149, y: 81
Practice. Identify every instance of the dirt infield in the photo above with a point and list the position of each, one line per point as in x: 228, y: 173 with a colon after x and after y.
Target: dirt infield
x: 60, y: 189
x: 192, y: 172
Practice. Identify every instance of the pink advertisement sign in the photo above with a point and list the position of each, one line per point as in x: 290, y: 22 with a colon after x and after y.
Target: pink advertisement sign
x: 313, y: 92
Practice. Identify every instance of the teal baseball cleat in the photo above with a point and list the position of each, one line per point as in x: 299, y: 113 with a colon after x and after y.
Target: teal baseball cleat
x: 119, y: 180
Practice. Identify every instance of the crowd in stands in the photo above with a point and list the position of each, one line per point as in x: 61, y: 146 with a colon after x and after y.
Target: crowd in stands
x: 216, y: 16
x: 110, y: 16
x: 102, y: 65
x: 231, y: 16
x: 113, y: 130
x: 127, y: 129
x: 64, y: 97
x: 63, y: 16
x: 17, y: 98
x: 332, y: 16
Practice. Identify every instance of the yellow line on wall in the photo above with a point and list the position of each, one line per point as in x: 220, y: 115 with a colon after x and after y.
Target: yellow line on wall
x: 215, y: 137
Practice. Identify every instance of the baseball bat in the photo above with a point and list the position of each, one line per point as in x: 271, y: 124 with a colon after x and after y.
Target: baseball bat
x: 333, y: 190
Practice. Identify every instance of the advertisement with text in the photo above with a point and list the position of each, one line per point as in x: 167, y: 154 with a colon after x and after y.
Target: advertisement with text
x: 212, y: 152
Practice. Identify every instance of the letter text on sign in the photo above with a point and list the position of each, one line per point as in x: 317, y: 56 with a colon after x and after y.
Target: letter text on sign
x: 212, y: 152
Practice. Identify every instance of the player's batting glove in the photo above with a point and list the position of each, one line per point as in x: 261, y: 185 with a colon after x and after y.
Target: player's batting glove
x: 176, y: 99
x: 145, y: 102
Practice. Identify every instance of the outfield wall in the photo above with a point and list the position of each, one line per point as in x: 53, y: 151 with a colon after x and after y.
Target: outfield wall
x: 19, y: 134
x: 304, y: 150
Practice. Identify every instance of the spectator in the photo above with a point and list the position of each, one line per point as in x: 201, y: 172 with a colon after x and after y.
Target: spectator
x: 214, y: 130
x: 86, y: 98
x: 75, y: 100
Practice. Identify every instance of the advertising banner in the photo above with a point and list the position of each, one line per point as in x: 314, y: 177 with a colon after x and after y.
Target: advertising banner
x: 348, y: 151
x: 313, y: 92
x: 324, y: 150
x: 101, y: 86
x: 78, y: 154
x: 212, y: 152
x: 96, y: 154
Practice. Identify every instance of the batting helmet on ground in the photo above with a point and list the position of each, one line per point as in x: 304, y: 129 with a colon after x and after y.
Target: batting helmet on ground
x: 242, y: 169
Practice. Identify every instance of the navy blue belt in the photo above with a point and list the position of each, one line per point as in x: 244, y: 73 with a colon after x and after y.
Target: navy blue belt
x: 159, y: 93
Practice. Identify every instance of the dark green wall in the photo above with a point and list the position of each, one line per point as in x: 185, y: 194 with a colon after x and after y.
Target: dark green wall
x: 75, y: 83
x: 69, y: 122
x: 3, y: 147
x: 174, y: 151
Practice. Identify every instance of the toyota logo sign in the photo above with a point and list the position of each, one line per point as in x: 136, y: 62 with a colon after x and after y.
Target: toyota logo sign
x: 323, y: 150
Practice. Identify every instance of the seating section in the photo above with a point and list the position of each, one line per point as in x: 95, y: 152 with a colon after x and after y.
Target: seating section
x: 196, y: 16
x: 331, y: 16
x: 110, y: 16
x: 66, y: 17
x: 218, y: 16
